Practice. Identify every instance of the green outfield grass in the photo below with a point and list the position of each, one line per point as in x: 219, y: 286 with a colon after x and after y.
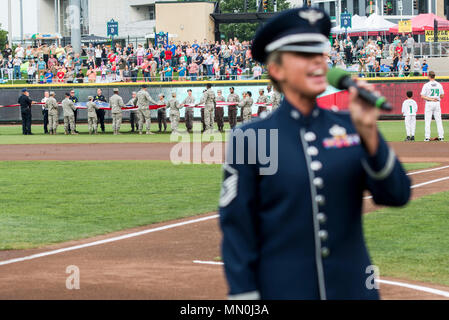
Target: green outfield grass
x: 46, y: 202
x: 395, y: 130
x: 412, y: 242
x: 420, y: 165
x: 50, y: 202
x: 392, y: 131
x: 13, y: 135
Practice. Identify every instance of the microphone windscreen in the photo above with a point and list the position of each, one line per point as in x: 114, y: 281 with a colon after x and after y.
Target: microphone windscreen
x: 334, y: 77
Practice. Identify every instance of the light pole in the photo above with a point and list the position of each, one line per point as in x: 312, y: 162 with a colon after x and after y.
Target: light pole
x: 9, y: 24
x: 75, y: 20
x: 21, y: 20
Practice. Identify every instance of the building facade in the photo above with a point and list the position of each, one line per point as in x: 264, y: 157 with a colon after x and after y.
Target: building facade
x: 138, y: 18
x: 390, y: 9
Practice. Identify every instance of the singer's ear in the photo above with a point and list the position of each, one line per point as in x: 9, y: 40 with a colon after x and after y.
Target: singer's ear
x: 275, y: 68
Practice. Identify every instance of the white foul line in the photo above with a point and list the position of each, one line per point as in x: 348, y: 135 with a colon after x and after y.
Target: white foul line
x: 96, y: 243
x: 418, y: 185
x: 428, y: 170
x: 209, y: 262
x: 171, y: 226
x: 415, y: 287
x: 387, y: 282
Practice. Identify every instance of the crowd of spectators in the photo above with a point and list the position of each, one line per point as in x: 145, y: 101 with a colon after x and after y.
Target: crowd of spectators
x: 184, y: 61
x: 377, y: 57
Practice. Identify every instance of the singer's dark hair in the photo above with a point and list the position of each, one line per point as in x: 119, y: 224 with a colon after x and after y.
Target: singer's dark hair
x: 409, y: 94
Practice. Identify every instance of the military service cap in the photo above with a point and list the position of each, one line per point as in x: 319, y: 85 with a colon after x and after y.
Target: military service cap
x: 296, y: 30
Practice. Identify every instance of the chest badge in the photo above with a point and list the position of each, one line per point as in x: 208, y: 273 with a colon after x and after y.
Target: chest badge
x: 340, y: 139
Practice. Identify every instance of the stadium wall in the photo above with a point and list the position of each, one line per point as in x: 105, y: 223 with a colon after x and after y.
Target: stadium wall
x: 393, y: 88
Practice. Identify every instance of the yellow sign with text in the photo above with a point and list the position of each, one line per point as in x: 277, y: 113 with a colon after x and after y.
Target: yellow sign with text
x: 405, y: 26
x: 443, y: 36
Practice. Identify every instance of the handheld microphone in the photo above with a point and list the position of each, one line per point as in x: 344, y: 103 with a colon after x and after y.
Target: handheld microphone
x: 342, y: 80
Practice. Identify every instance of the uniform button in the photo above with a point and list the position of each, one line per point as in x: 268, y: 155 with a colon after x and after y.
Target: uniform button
x: 325, y: 252
x: 310, y: 137
x: 312, y: 151
x: 320, y: 200
x: 295, y: 114
x: 316, y: 113
x: 318, y: 182
x: 321, y: 218
x: 316, y: 166
x: 323, y: 235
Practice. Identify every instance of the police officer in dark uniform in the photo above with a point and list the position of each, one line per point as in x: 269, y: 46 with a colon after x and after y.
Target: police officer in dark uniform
x: 100, y: 112
x: 75, y: 101
x: 292, y: 225
x: 25, y: 108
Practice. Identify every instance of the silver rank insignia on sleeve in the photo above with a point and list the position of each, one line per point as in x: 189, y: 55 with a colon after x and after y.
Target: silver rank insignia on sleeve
x: 229, y: 186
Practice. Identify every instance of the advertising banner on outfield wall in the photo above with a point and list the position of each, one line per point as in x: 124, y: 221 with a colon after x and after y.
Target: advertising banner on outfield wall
x: 395, y: 92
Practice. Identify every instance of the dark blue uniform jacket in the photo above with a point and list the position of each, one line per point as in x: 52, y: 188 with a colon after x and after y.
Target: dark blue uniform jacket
x: 297, y: 233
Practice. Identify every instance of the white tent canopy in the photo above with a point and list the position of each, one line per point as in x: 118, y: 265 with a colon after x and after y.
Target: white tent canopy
x: 372, y: 23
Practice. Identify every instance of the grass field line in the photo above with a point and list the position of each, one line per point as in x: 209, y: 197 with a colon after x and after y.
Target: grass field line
x: 387, y: 282
x: 99, y: 242
x: 147, y: 231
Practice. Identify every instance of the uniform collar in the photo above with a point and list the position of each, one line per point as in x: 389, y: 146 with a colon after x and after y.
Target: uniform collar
x: 288, y: 111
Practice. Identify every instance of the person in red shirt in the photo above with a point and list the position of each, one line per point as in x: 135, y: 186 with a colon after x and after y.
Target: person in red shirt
x: 60, y: 75
x: 111, y: 57
x: 399, y: 49
x: 168, y: 55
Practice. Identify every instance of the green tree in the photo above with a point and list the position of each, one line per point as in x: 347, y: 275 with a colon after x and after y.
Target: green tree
x: 244, y: 31
x: 3, y: 38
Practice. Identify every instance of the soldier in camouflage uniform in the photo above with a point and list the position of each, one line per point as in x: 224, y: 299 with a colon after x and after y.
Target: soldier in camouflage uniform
x: 219, y: 111
x: 53, y: 115
x: 275, y: 100
x: 232, y: 110
x: 162, y: 113
x: 208, y: 100
x: 68, y: 107
x: 190, y: 100
x: 143, y: 101
x: 116, y: 103
x: 247, y: 104
x: 262, y: 99
x: 203, y: 124
x: 92, y: 119
x: 134, y: 115
x: 174, y: 106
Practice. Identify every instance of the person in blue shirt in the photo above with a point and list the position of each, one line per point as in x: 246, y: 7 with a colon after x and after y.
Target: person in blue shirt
x: 294, y: 181
x: 182, y: 72
x: 168, y: 72
x: 172, y: 47
x: 425, y: 68
x: 48, y: 77
x: 195, y: 45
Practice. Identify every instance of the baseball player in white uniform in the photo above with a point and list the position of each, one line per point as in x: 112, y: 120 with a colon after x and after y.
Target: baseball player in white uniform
x: 433, y: 93
x: 409, y: 110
